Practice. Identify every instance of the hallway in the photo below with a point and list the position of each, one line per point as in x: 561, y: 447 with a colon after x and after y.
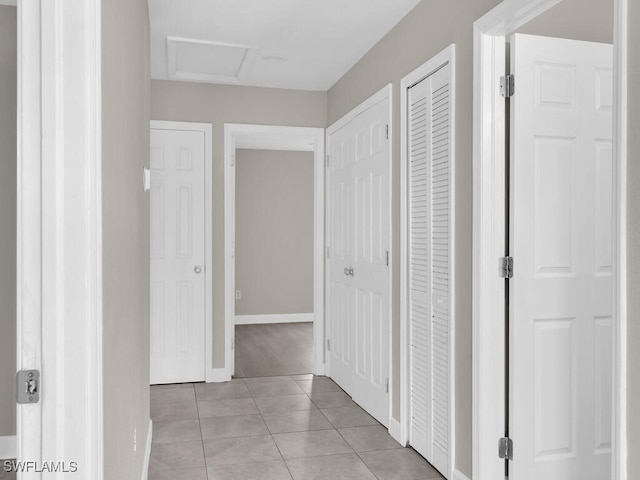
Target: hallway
x: 297, y: 427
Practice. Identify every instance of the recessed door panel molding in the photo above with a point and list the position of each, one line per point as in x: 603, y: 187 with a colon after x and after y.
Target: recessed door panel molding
x: 358, y: 246
x: 561, y: 218
x: 178, y: 256
x: 429, y: 272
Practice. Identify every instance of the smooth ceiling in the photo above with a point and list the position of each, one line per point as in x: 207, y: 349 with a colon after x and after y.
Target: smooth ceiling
x: 293, y: 44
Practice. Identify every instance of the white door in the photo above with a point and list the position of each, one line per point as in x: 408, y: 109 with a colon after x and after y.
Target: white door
x: 429, y: 264
x: 358, y: 271
x: 561, y: 242
x: 177, y: 256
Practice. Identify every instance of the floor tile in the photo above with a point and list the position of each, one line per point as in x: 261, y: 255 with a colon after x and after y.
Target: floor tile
x: 332, y: 400
x: 284, y: 404
x: 172, y: 385
x: 164, y: 412
x: 332, y: 467
x: 304, y: 376
x: 172, y: 395
x: 298, y: 421
x: 343, y: 417
x: 271, y: 389
x: 366, y: 439
x: 227, y: 408
x: 236, y: 426
x: 171, y: 456
x: 221, y: 391
x: 319, y: 385
x: 276, y: 470
x: 177, y: 431
x: 181, y: 474
x: 227, y: 451
x: 311, y: 444
x: 278, y: 378
x: 398, y: 464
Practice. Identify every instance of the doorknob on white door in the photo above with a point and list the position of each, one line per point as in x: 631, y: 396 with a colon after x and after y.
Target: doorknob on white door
x: 197, y: 269
x: 349, y: 272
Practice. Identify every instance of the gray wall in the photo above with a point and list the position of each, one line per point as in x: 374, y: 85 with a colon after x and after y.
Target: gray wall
x: 125, y: 151
x: 8, y: 126
x: 274, y: 232
x: 428, y: 29
x: 219, y: 104
x: 589, y: 20
x: 633, y: 251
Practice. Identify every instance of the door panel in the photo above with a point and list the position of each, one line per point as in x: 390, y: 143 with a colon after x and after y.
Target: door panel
x: 359, y: 239
x: 177, y: 250
x: 561, y: 230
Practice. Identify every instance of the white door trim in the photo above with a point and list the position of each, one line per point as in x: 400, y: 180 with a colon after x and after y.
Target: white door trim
x: 445, y: 56
x: 207, y: 130
x: 382, y: 94
x: 59, y: 225
x: 279, y: 138
x: 490, y: 33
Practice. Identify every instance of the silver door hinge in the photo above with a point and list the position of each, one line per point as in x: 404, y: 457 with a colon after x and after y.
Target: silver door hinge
x: 328, y: 161
x: 505, y: 267
x: 387, y: 131
x: 505, y: 448
x: 328, y: 344
x: 233, y: 160
x: 387, y: 385
x: 387, y: 258
x: 27, y: 386
x: 507, y: 86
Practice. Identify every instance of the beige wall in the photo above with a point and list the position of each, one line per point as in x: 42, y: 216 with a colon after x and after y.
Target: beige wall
x: 125, y: 151
x: 589, y: 20
x: 428, y: 29
x: 633, y: 251
x: 274, y: 232
x: 8, y: 125
x: 218, y: 104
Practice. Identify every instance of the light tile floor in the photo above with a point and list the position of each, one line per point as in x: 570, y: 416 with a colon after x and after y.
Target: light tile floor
x: 297, y: 427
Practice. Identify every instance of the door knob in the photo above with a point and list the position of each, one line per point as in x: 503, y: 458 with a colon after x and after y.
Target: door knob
x: 349, y: 272
x: 197, y: 269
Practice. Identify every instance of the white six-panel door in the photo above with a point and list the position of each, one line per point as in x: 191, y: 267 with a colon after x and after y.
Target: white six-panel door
x: 561, y: 230
x: 177, y: 256
x: 429, y: 135
x: 357, y: 268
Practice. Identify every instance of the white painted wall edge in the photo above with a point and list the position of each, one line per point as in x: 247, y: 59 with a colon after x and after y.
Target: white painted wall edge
x: 458, y: 475
x: 275, y: 318
x: 147, y: 452
x: 217, y: 375
x: 8, y: 447
x: 395, y: 430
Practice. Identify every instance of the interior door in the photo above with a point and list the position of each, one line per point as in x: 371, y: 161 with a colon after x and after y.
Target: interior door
x: 429, y: 264
x: 177, y: 256
x: 358, y: 269
x: 561, y: 242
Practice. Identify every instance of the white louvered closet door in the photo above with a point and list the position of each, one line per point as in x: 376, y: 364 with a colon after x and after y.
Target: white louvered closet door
x: 429, y: 154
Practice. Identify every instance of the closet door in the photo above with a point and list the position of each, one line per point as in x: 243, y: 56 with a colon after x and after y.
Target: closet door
x: 429, y: 264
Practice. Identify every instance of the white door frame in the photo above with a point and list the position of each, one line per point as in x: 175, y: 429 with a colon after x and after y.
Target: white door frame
x: 383, y: 93
x: 273, y: 138
x: 59, y: 225
x: 207, y: 130
x: 490, y: 34
x: 445, y: 56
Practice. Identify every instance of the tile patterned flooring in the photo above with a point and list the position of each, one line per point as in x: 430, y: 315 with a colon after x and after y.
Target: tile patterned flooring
x: 296, y: 427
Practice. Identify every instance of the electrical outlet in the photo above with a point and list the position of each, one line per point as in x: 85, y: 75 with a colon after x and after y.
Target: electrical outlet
x: 238, y: 294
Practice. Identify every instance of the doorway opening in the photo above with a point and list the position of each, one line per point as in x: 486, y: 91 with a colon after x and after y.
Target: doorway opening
x: 274, y: 222
x: 547, y: 367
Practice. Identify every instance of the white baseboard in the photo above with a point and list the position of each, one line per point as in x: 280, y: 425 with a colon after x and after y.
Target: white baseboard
x: 395, y: 431
x: 147, y: 452
x: 8, y: 447
x: 458, y: 475
x: 217, y: 375
x: 277, y: 318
